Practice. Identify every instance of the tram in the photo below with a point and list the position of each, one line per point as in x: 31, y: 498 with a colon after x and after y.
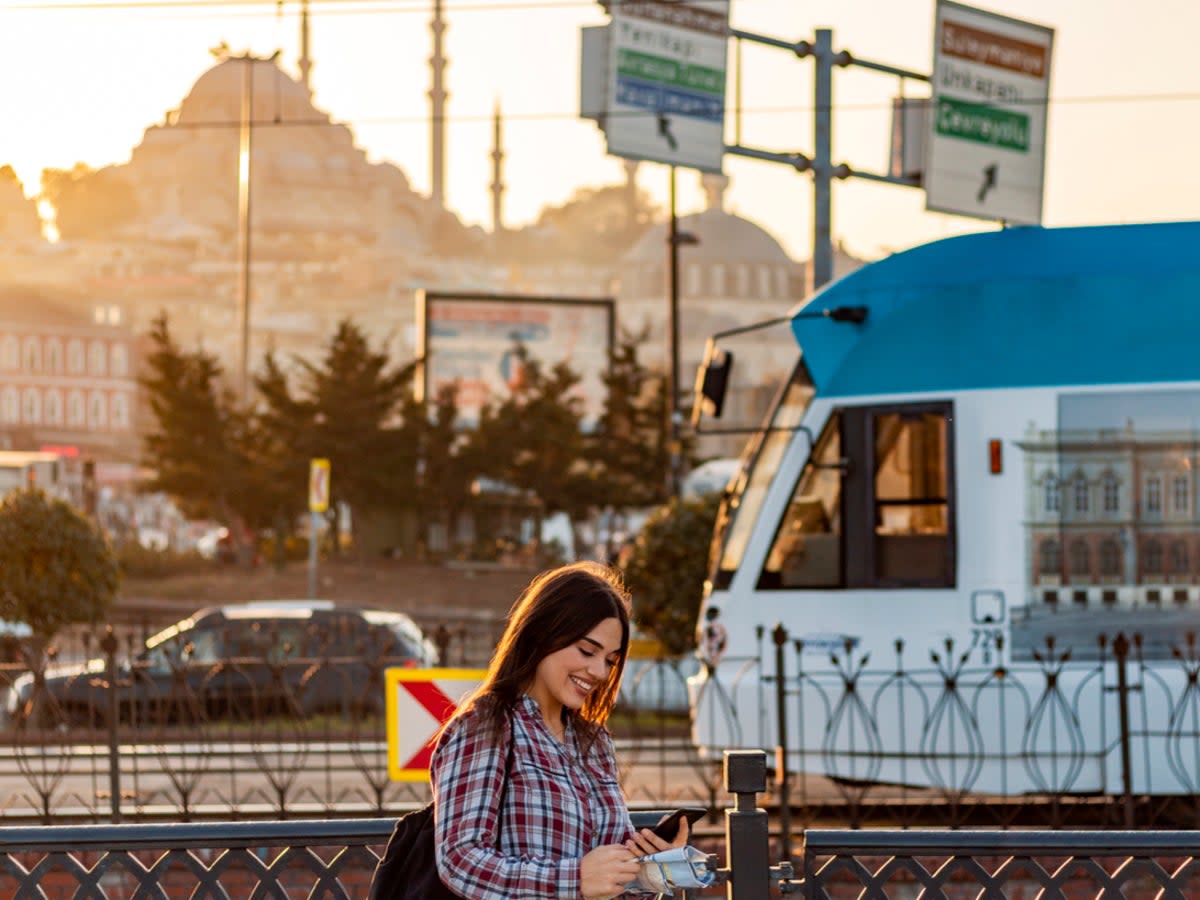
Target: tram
x: 971, y: 522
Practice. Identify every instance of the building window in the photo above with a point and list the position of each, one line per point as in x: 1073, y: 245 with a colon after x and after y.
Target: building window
x: 781, y: 282
x: 120, y: 361
x: 1080, y: 490
x: 1153, y: 495
x: 1112, y: 494
x: 10, y: 353
x: 54, y: 408
x: 97, y: 358
x: 695, y: 282
x: 1081, y: 561
x: 1179, y: 494
x: 741, y: 277
x: 1152, y: 562
x: 764, y: 283
x: 76, y: 417
x: 1110, y: 558
x: 33, y: 355
x: 120, y: 411
x: 10, y: 407
x: 33, y: 407
x: 1179, y: 558
x: 97, y: 410
x: 1051, y: 559
x: 54, y: 361
x: 75, y: 357
x: 718, y: 280
x: 1053, y: 495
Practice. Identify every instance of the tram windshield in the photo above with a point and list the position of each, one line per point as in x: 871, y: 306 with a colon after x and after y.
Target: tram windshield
x: 765, y: 452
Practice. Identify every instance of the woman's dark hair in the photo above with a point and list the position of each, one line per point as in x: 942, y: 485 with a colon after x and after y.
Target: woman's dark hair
x: 558, y: 608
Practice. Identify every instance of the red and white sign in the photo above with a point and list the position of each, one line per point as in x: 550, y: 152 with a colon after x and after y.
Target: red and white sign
x: 419, y: 701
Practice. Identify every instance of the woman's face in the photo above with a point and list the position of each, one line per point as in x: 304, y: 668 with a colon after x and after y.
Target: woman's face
x: 566, y: 677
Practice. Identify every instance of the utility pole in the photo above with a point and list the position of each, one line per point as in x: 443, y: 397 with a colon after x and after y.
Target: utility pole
x: 671, y: 431
x: 671, y: 428
x: 822, y: 253
x: 245, y: 150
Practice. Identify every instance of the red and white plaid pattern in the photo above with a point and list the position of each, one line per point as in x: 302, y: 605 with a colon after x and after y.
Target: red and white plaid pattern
x: 558, y: 808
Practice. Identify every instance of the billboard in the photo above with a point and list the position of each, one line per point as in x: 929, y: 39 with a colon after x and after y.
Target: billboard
x: 473, y: 340
x: 986, y: 153
x: 665, y: 82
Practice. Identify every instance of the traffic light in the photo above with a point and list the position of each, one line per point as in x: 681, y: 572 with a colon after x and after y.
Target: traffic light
x: 712, y: 379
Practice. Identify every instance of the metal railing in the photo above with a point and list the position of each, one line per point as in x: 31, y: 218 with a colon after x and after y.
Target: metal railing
x: 964, y: 740
x: 332, y: 860
x: 335, y: 859
x: 281, y: 732
x: 899, y: 865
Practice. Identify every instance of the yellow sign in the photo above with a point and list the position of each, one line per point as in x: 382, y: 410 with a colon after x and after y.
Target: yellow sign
x: 419, y: 702
x: 318, y: 485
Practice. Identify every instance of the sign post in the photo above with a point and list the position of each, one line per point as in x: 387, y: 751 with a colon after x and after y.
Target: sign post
x: 986, y: 153
x: 318, y: 503
x: 419, y: 702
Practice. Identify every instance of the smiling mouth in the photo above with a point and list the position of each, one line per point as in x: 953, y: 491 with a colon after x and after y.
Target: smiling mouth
x: 582, y: 685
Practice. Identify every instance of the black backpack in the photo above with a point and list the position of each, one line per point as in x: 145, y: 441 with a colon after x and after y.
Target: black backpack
x: 408, y: 868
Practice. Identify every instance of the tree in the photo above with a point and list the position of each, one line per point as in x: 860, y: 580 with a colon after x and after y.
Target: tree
x: 628, y: 443
x: 202, y: 447
x: 666, y: 570
x: 448, y: 464
x: 56, y: 568
x: 89, y: 203
x: 355, y: 400
x: 532, y: 441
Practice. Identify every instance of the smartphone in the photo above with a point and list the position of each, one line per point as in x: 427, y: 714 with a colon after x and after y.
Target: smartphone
x: 668, y: 826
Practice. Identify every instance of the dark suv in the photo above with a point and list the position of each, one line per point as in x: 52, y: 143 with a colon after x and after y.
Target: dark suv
x: 243, y: 662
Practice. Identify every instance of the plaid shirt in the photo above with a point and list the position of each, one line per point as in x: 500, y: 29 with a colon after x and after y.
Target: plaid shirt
x: 557, y: 809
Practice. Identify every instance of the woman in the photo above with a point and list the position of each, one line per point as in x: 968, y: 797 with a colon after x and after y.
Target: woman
x: 562, y: 829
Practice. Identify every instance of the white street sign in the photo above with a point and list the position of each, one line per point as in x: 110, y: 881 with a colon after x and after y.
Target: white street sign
x: 986, y: 153
x: 666, y: 82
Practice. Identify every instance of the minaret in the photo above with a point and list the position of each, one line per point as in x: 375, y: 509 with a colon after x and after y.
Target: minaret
x: 437, y: 111
x: 305, y: 59
x: 497, y: 164
x: 631, y: 172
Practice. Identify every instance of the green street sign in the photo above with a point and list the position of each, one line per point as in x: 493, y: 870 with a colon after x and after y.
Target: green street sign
x: 982, y: 123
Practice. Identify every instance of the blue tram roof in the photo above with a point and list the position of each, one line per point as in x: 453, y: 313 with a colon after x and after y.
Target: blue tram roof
x: 1022, y: 307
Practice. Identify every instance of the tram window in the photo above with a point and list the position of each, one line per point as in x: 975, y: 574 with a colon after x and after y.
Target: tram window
x: 751, y: 490
x: 807, y: 550
x: 912, y: 507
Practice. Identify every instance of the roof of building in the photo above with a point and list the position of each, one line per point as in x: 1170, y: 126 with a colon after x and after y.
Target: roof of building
x: 723, y: 236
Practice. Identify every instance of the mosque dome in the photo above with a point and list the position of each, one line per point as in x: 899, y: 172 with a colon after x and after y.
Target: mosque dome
x: 216, y: 97
x: 722, y: 236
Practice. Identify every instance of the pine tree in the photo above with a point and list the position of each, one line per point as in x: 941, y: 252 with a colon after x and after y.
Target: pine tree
x: 199, y: 447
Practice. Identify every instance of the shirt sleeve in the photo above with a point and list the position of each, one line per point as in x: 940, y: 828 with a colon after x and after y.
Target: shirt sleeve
x: 467, y: 773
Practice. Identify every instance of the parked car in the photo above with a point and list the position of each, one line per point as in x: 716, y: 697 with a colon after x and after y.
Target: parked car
x: 242, y: 662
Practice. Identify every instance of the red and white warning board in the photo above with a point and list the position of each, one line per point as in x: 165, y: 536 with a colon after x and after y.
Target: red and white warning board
x: 418, y: 702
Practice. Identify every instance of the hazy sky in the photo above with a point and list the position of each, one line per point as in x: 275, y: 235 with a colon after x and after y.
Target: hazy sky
x: 82, y: 81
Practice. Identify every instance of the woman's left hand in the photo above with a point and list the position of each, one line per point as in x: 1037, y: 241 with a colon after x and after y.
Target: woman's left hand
x: 645, y: 842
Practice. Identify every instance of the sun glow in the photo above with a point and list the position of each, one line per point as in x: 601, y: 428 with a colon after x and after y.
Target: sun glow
x: 48, y: 215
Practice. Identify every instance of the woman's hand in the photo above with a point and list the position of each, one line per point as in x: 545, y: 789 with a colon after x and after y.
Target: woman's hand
x: 605, y: 871
x: 645, y: 842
